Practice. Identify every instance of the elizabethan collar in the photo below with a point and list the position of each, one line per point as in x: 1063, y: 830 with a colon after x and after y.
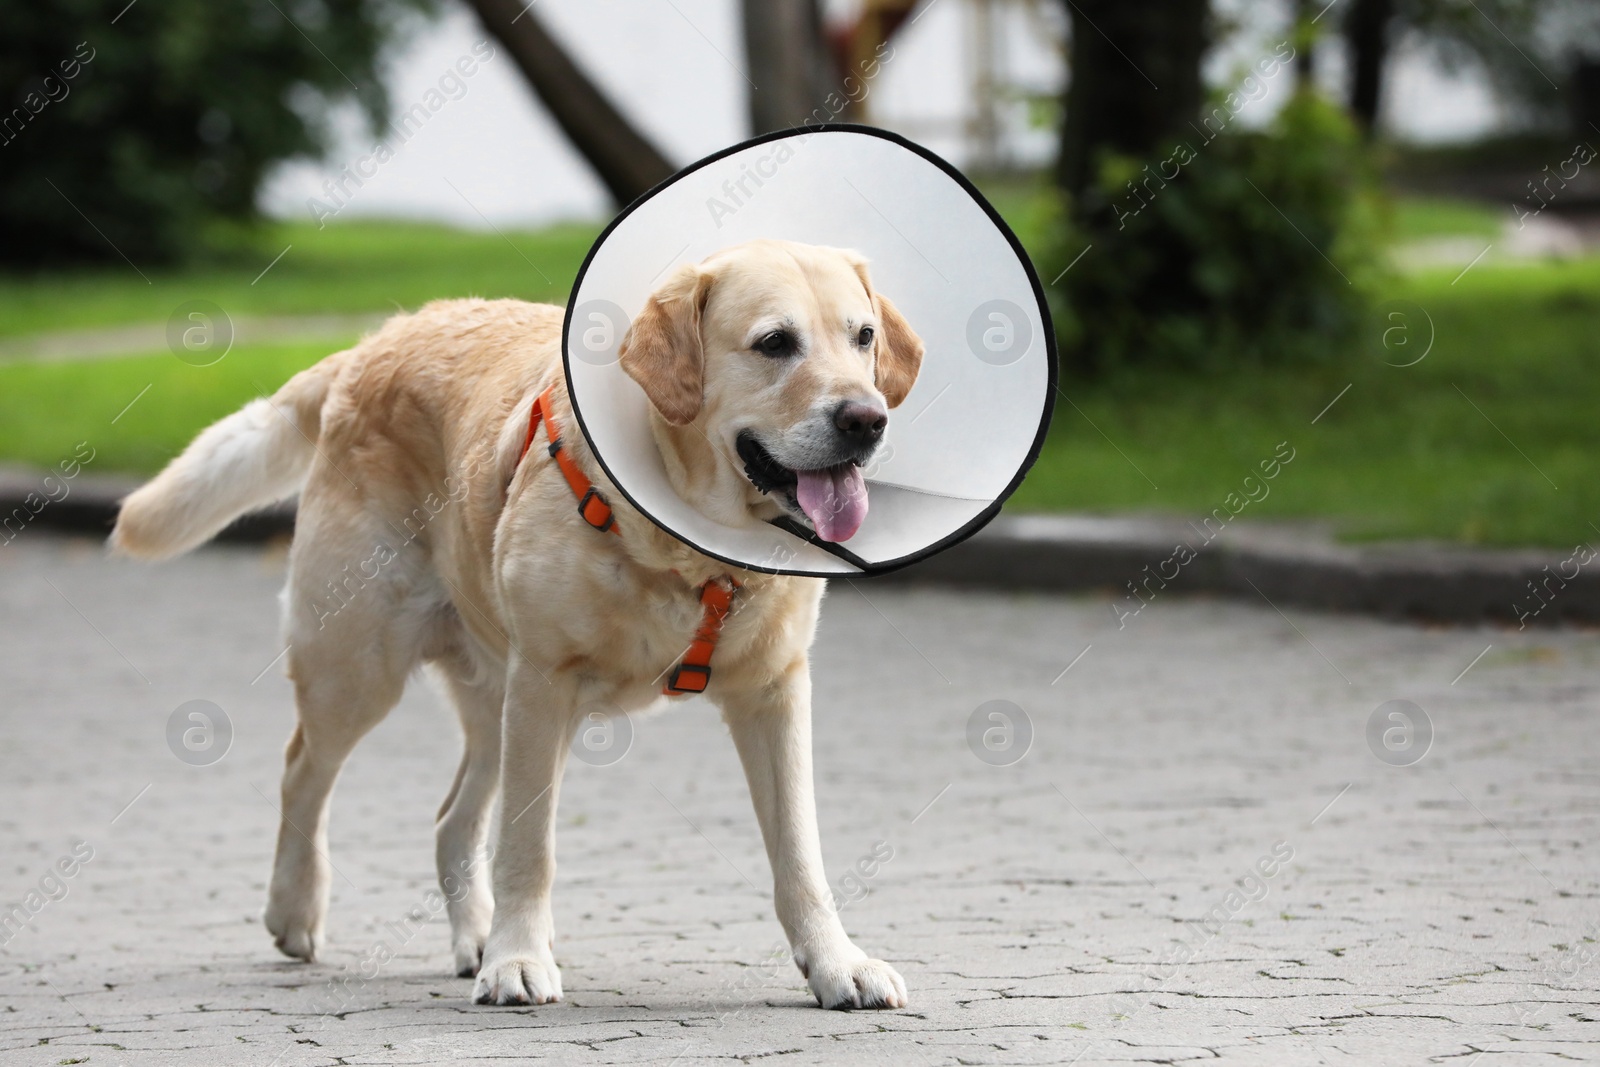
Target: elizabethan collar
x: 974, y: 421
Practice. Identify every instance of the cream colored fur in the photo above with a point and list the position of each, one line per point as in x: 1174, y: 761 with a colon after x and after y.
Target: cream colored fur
x: 419, y: 539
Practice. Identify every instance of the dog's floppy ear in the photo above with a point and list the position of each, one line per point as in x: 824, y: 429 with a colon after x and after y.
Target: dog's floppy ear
x: 900, y: 350
x: 662, y: 350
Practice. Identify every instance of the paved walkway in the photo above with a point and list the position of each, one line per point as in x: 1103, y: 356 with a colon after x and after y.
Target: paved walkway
x: 1199, y: 858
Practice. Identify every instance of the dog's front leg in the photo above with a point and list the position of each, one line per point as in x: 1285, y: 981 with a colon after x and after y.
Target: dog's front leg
x: 519, y: 965
x: 771, y: 727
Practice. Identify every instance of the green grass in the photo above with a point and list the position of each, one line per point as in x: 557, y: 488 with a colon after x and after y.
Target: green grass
x: 1415, y: 218
x: 1402, y: 453
x: 344, y: 268
x: 359, y: 267
x: 46, y: 409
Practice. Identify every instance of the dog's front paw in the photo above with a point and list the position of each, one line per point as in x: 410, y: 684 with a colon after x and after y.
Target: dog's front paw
x: 296, y: 934
x: 528, y: 978
x: 859, y: 983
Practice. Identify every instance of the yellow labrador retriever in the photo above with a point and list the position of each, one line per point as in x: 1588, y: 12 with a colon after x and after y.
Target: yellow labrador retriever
x: 429, y: 531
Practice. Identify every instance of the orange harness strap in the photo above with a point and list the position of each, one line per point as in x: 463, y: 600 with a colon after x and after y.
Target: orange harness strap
x: 692, y: 673
x: 591, y: 505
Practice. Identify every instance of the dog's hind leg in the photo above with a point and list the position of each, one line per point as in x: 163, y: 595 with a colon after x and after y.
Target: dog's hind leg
x: 349, y: 656
x: 337, y: 703
x: 463, y: 826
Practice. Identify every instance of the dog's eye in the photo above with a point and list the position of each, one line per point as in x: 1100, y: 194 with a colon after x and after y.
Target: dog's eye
x: 864, y: 338
x: 776, y: 343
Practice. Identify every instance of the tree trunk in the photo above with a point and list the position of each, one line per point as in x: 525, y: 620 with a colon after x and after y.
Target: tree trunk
x: 858, y: 45
x: 626, y: 161
x: 1586, y: 95
x: 1366, y: 31
x: 1305, y: 40
x: 1135, y: 85
x: 788, y: 63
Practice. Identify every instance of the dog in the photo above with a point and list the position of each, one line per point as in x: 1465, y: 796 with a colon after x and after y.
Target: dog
x: 437, y: 525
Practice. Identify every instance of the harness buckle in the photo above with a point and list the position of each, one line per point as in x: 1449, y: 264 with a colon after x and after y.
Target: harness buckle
x: 678, y: 684
x: 603, y: 520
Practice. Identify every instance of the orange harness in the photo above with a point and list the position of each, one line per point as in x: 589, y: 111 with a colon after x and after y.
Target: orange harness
x: 693, y: 672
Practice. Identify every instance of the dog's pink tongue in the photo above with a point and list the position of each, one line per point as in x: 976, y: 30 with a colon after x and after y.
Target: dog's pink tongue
x: 835, y: 500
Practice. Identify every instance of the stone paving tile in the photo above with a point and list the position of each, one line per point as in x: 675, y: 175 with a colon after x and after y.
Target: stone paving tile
x: 1083, y: 905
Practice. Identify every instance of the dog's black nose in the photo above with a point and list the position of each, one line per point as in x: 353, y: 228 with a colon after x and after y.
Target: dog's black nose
x: 861, y: 423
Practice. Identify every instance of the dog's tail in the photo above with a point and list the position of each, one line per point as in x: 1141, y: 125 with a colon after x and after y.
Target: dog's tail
x: 258, y: 455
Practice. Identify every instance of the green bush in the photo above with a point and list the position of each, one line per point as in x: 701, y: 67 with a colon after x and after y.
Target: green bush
x: 128, y: 129
x: 1252, y: 246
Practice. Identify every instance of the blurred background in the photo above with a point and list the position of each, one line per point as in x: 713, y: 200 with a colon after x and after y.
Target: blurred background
x: 1369, y: 229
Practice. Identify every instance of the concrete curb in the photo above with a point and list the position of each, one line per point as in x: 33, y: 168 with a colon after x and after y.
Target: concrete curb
x: 87, y: 504
x: 1137, y: 561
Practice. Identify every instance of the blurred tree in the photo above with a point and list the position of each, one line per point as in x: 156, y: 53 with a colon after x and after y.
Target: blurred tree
x: 129, y: 127
x: 1181, y: 239
x: 803, y: 70
x: 1586, y: 93
x: 1305, y: 64
x: 1135, y: 81
x: 857, y: 42
x: 1366, y: 34
x: 624, y: 158
x: 1528, y: 48
x: 1253, y: 247
x: 789, y: 70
